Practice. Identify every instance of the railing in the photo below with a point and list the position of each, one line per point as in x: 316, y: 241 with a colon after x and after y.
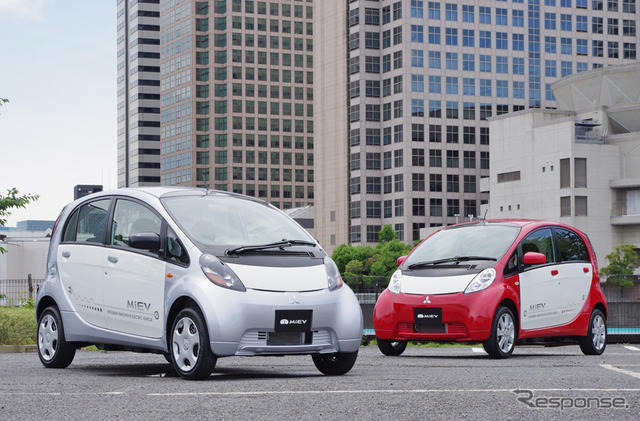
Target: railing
x: 16, y: 292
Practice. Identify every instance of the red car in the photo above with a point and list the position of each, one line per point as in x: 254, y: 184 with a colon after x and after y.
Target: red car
x: 495, y: 282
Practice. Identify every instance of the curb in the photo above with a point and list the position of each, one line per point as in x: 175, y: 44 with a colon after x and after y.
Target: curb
x: 11, y: 349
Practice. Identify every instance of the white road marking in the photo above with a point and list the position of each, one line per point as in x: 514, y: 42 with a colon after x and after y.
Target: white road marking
x: 621, y: 370
x: 632, y: 348
x: 381, y: 391
x: 322, y: 392
x: 475, y: 349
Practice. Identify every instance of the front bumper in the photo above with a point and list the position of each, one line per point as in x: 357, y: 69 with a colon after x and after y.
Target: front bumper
x: 466, y: 317
x: 240, y: 324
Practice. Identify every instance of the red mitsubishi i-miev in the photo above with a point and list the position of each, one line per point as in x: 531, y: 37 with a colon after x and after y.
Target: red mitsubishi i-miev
x: 495, y: 282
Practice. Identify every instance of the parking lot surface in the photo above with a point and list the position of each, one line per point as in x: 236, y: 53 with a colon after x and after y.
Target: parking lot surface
x: 423, y: 383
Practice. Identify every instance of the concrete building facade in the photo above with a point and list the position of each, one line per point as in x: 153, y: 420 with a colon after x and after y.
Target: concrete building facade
x: 236, y: 84
x: 579, y: 164
x: 138, y: 93
x: 422, y: 79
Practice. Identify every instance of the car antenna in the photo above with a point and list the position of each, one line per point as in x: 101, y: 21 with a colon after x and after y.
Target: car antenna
x: 484, y: 218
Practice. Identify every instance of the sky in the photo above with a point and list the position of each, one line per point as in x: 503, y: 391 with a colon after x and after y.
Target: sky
x: 58, y: 70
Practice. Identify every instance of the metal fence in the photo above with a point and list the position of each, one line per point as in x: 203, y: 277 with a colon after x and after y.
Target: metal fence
x: 624, y: 302
x: 16, y: 292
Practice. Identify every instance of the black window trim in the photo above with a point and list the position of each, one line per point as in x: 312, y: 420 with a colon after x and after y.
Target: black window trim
x: 162, y: 252
x: 77, y: 209
x: 521, y: 268
x: 555, y: 240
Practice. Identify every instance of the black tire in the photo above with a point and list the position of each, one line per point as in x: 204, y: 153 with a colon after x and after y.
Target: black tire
x: 53, y: 350
x: 167, y: 356
x: 335, y: 364
x: 205, y: 361
x: 591, y: 344
x: 492, y: 345
x: 390, y: 347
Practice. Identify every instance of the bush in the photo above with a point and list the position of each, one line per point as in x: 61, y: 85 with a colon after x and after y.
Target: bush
x: 17, y: 326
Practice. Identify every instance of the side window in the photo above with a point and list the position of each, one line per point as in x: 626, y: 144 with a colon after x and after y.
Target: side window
x: 176, y: 252
x: 539, y: 241
x: 570, y: 246
x: 70, y: 231
x: 92, y: 222
x: 132, y: 218
x: 511, y: 268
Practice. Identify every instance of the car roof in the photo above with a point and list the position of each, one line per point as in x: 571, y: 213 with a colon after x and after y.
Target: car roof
x: 530, y: 224
x: 164, y: 192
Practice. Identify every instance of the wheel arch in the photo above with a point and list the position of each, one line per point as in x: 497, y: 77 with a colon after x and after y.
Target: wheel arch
x: 600, y: 306
x: 178, y: 304
x: 46, y: 301
x: 508, y: 302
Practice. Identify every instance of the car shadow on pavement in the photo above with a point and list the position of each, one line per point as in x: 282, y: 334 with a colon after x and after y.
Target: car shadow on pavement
x: 481, y: 356
x: 219, y: 374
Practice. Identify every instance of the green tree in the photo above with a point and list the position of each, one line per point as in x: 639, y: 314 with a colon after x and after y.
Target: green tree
x: 622, y: 263
x: 342, y: 255
x: 387, y: 233
x: 3, y: 101
x: 13, y: 201
x: 354, y: 267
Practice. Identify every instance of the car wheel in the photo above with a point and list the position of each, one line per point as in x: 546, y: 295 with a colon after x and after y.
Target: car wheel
x: 53, y: 350
x: 596, y: 340
x: 191, y: 354
x: 391, y: 347
x: 503, y: 334
x: 335, y: 364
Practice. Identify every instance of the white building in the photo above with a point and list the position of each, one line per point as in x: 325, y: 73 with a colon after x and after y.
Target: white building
x: 579, y: 164
x: 26, y: 254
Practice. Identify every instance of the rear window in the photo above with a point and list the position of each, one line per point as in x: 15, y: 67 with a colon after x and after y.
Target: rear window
x: 88, y: 224
x: 570, y: 246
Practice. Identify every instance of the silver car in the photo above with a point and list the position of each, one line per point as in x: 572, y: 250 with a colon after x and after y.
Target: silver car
x: 193, y: 274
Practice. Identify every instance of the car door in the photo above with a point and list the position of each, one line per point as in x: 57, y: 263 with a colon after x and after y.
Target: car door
x: 134, y: 286
x: 82, y: 259
x: 575, y: 273
x: 538, y: 283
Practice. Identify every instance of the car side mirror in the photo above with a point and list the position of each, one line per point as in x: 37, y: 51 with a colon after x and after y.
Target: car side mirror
x: 401, y: 260
x: 145, y: 241
x: 533, y: 258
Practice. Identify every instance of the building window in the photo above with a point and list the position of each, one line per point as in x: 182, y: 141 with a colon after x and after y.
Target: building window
x: 581, y: 205
x: 565, y: 206
x: 565, y: 173
x: 580, y: 172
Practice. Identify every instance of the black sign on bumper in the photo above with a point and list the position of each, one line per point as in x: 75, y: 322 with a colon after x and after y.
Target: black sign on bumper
x: 428, y: 320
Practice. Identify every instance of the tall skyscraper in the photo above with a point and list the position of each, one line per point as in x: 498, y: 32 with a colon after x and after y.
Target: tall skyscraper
x: 138, y: 93
x: 422, y: 79
x: 237, y: 97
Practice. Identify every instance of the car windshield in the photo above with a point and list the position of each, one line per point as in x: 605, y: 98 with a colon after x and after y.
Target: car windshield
x: 477, y: 241
x: 217, y: 220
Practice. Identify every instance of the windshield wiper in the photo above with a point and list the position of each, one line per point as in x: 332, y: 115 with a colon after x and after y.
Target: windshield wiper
x: 280, y: 244
x: 456, y: 259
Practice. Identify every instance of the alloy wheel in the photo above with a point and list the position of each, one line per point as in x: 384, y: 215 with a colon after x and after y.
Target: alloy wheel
x: 186, y: 344
x: 506, y: 333
x: 598, y: 332
x: 48, y: 337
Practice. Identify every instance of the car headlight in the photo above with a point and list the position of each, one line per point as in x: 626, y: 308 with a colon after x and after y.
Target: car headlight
x: 481, y: 281
x: 220, y: 274
x: 394, y: 283
x: 333, y: 274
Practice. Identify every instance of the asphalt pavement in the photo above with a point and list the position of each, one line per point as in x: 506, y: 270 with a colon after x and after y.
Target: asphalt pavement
x: 423, y: 383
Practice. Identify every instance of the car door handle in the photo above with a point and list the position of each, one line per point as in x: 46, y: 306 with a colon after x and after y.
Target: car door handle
x: 554, y: 272
x: 112, y: 259
x: 66, y: 254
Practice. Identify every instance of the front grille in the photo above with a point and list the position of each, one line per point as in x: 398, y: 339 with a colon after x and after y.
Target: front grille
x: 450, y: 328
x: 255, y: 338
